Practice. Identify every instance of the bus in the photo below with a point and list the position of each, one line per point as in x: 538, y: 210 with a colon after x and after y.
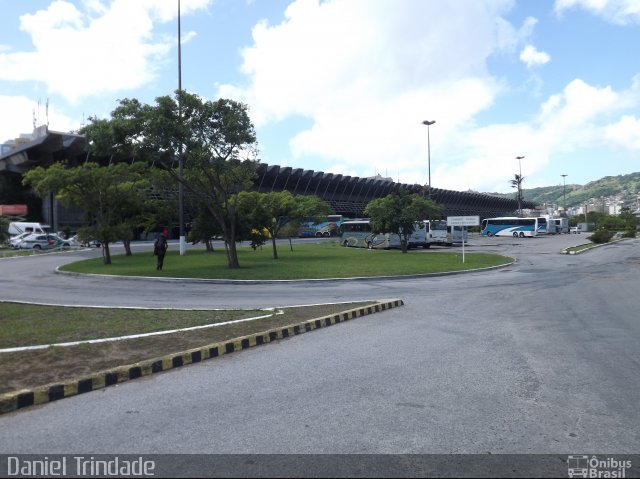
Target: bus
x: 454, y: 235
x: 329, y: 227
x: 512, y: 226
x: 562, y: 225
x: 438, y: 232
x: 358, y: 233
x: 546, y: 225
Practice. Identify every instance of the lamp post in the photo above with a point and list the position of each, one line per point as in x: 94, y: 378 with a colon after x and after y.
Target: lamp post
x: 183, y: 239
x: 519, y: 185
x: 564, y: 192
x: 429, y: 123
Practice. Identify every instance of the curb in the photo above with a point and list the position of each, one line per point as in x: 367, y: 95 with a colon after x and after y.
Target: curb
x: 591, y: 246
x: 52, y: 392
x: 281, y: 281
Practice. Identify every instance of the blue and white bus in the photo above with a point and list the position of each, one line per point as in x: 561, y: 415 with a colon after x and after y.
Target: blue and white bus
x: 511, y: 226
x: 329, y: 227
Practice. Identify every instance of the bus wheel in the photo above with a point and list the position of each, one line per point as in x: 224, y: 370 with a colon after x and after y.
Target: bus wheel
x: 522, y: 234
x: 515, y: 234
x: 489, y: 233
x: 325, y: 234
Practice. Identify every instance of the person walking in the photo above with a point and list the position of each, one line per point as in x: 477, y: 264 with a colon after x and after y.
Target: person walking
x: 160, y: 249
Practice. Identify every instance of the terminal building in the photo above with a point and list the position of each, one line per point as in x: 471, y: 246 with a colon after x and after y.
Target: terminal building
x: 347, y: 195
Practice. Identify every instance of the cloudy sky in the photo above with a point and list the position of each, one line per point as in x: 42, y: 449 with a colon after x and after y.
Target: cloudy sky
x: 343, y: 86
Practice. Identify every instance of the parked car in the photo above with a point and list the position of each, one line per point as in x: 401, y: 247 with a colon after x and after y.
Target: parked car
x: 37, y: 241
x: 74, y: 241
x: 14, y: 240
x: 575, y: 230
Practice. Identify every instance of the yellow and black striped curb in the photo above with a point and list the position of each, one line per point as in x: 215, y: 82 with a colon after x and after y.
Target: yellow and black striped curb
x: 52, y: 392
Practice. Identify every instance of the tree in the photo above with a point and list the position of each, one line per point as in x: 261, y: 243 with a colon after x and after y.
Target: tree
x: 216, y: 141
x: 108, y: 195
x: 517, y: 183
x: 398, y: 213
x: 277, y: 209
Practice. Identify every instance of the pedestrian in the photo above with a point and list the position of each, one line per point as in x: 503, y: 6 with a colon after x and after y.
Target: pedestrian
x: 160, y: 249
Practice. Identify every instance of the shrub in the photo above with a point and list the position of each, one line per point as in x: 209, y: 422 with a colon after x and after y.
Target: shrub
x: 629, y: 233
x: 601, y: 236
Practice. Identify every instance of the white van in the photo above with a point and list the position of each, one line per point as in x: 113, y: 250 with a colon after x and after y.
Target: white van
x: 19, y: 227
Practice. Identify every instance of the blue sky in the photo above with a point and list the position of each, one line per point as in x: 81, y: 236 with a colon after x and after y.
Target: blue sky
x: 343, y: 86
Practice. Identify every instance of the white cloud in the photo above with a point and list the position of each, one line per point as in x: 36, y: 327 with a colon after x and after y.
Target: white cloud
x: 18, y: 117
x: 110, y: 46
x: 368, y: 73
x: 581, y: 117
x: 532, y: 57
x: 626, y: 132
x: 620, y: 12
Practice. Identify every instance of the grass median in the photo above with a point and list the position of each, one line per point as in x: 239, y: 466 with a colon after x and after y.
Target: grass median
x: 303, y: 261
x: 31, y: 325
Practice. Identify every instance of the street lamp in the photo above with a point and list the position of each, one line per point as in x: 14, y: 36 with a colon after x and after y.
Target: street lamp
x: 520, y: 185
x: 564, y: 192
x: 429, y: 123
x: 183, y: 239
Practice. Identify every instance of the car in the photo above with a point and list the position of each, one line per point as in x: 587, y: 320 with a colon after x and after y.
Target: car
x: 37, y: 241
x: 14, y: 240
x: 575, y: 230
x: 74, y: 241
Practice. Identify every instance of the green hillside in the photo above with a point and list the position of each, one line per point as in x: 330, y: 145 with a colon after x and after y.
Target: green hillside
x: 625, y: 188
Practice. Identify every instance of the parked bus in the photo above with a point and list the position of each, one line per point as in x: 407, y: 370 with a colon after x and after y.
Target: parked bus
x: 358, y: 233
x: 438, y: 232
x: 562, y: 225
x: 454, y: 235
x: 329, y: 227
x: 511, y: 226
x: 546, y: 225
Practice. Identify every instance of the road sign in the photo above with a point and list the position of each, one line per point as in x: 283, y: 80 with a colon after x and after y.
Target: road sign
x: 463, y: 221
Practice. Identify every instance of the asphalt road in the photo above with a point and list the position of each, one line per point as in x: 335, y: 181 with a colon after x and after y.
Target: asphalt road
x: 538, y: 357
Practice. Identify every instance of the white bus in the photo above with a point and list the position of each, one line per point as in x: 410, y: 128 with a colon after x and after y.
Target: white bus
x: 512, y: 226
x: 358, y: 233
x: 562, y: 225
x: 546, y: 225
x: 454, y: 235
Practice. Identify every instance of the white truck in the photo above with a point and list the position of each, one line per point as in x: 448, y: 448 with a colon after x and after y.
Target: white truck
x: 18, y: 227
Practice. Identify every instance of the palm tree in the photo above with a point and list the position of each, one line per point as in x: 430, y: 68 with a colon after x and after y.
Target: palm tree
x: 517, y: 183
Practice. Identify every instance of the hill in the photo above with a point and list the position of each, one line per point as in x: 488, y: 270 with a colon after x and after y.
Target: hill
x: 621, y: 188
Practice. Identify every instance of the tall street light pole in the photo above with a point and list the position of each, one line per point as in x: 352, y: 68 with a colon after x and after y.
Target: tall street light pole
x: 183, y: 239
x: 429, y: 123
x: 564, y: 192
x: 520, y: 185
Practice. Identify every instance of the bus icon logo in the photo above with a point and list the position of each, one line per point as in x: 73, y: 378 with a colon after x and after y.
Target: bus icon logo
x: 578, y: 466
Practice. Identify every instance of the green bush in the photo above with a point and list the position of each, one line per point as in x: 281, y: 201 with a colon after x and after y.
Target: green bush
x: 629, y: 233
x: 601, y: 236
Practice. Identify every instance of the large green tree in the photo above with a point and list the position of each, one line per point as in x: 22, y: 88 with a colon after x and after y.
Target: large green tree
x: 109, y: 196
x: 398, y: 213
x: 215, y: 140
